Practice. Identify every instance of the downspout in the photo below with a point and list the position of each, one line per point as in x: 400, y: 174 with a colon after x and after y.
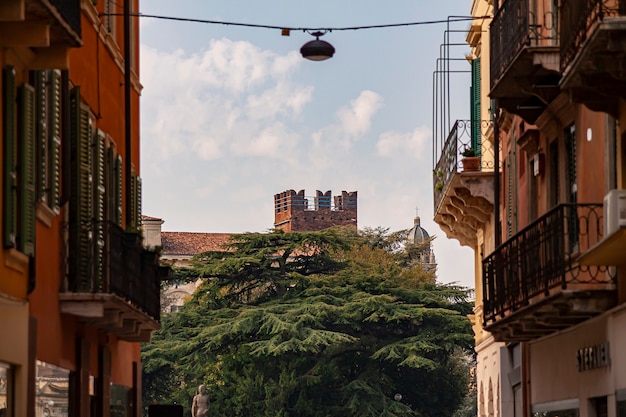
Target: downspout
x: 496, y: 177
x: 496, y: 163
x: 127, y: 116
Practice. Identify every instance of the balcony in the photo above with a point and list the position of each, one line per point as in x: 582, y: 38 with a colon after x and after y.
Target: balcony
x: 524, y: 58
x: 118, y: 286
x: 593, y: 52
x: 533, y: 284
x: 49, y: 27
x: 464, y: 197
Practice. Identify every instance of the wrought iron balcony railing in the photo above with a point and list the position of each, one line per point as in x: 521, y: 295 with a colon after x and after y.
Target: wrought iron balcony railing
x: 577, y: 18
x: 541, y: 258
x: 70, y: 12
x: 514, y: 27
x: 113, y: 261
x: 463, y: 135
x: 135, y: 274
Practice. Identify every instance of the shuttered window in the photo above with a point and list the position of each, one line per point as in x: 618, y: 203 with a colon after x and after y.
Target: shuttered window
x: 19, y: 111
x: 96, y: 198
x: 99, y: 205
x: 54, y: 140
x: 114, y: 185
x: 475, y: 106
x: 9, y: 174
x: 135, y: 191
x: 48, y: 136
x: 119, y: 192
x: 81, y: 233
x: 40, y: 80
x: 26, y: 171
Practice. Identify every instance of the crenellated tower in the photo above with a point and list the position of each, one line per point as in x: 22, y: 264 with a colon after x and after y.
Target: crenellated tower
x: 296, y: 212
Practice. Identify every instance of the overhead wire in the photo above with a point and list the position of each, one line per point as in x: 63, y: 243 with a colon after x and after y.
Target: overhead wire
x: 304, y: 29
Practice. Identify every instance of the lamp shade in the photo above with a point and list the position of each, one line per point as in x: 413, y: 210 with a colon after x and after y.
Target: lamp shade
x: 317, y: 50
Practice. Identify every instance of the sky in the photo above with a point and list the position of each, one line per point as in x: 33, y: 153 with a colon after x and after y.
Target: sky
x: 232, y: 115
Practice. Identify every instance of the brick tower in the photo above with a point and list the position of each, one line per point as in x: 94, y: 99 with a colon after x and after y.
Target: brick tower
x: 295, y: 212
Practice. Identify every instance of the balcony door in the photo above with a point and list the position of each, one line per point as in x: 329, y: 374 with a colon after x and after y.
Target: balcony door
x: 571, y: 187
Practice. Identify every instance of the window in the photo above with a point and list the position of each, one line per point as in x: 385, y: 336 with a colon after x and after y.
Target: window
x: 554, y: 192
x: 19, y: 164
x: 475, y: 107
x: 96, y: 196
x: 48, y: 135
x: 120, y: 401
x: 572, y: 188
x: 53, y: 390
x: 6, y: 390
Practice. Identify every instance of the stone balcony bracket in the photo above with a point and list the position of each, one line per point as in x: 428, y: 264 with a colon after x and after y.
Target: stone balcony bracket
x: 466, y: 206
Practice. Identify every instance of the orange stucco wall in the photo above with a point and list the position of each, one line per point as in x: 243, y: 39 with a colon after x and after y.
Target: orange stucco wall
x: 94, y: 67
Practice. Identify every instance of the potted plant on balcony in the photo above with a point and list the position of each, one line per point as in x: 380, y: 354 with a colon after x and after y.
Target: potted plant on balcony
x: 470, y: 161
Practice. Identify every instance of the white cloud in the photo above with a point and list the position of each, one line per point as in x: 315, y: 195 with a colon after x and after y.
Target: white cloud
x: 274, y: 141
x: 412, y: 144
x: 280, y: 99
x: 354, y: 121
x: 231, y: 97
x: 357, y: 118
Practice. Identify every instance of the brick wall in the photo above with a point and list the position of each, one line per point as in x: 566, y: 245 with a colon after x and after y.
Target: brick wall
x: 297, y: 212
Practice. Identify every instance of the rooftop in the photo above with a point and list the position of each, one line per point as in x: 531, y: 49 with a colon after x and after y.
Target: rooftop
x: 193, y: 243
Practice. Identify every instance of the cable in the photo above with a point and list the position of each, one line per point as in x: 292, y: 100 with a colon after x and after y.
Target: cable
x: 304, y: 29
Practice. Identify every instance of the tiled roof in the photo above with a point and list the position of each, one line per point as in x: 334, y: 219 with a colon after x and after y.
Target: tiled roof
x: 191, y: 243
x: 148, y: 218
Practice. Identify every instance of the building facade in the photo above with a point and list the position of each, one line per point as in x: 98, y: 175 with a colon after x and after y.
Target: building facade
x: 177, y: 250
x: 78, y: 292
x: 546, y: 211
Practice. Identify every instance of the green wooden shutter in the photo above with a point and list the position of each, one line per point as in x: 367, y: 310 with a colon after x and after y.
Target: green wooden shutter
x: 475, y: 106
x: 137, y: 206
x: 135, y: 215
x: 81, y: 195
x: 41, y: 104
x: 27, y: 189
x: 133, y: 203
x: 9, y: 172
x: 99, y: 205
x: 119, y: 195
x: 54, y: 143
x: 110, y: 184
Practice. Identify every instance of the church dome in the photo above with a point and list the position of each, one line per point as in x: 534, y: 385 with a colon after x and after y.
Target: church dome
x: 417, y: 234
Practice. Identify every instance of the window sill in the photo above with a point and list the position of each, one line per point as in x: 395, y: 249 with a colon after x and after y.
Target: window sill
x: 45, y: 214
x: 16, y: 260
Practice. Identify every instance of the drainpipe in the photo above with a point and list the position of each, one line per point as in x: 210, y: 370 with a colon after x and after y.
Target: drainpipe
x: 496, y: 177
x: 128, y: 114
x: 496, y: 162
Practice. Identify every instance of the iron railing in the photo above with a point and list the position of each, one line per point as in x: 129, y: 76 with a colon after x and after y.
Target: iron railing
x: 140, y: 279
x: 514, y: 27
x: 70, y: 11
x: 577, y: 18
x: 463, y: 135
x: 541, y: 258
x: 118, y: 264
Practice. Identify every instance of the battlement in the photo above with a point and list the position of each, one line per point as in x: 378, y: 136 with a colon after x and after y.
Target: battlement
x: 298, y: 212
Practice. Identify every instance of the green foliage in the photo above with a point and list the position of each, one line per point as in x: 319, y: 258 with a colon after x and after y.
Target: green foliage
x: 314, y: 324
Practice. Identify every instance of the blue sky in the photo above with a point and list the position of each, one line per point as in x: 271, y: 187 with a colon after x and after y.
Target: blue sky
x: 233, y: 115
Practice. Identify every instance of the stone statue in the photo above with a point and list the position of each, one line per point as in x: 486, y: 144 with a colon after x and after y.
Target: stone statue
x: 200, y: 405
